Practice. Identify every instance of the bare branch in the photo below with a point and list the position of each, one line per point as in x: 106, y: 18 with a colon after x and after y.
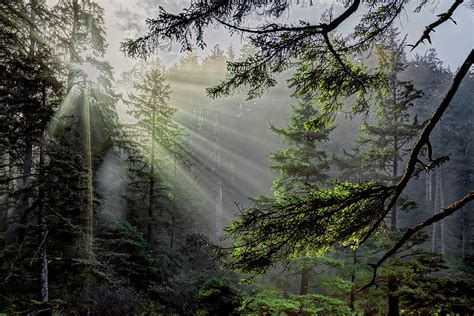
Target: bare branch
x: 455, y: 206
x: 443, y: 17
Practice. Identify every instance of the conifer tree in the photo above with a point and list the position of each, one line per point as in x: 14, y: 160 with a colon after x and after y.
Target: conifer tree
x: 387, y: 140
x: 87, y: 118
x: 303, y: 162
x: 155, y: 133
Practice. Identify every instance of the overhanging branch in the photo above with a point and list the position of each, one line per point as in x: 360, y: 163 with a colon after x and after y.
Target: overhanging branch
x: 412, y: 231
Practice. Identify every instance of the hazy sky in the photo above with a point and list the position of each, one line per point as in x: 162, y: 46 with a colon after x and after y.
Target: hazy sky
x: 126, y: 18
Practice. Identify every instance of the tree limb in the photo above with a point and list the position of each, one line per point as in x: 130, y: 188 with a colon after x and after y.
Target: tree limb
x: 340, y: 61
x: 443, y: 17
x: 201, y: 18
x: 455, y: 206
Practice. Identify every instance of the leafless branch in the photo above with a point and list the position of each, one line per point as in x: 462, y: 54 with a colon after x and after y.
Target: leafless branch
x: 412, y: 231
x: 443, y: 17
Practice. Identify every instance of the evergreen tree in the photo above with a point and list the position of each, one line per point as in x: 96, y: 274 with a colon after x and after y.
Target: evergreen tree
x: 155, y: 133
x: 45, y: 133
x: 303, y: 162
x: 298, y: 166
x: 387, y: 141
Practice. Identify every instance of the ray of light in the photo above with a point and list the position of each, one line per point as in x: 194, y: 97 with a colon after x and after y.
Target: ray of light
x: 183, y: 116
x: 242, y: 181
x: 66, y: 108
x: 90, y: 188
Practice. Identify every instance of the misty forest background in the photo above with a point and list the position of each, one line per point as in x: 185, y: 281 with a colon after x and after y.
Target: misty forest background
x: 127, y: 193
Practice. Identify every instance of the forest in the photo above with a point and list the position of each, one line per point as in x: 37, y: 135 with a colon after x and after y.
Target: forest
x: 232, y: 157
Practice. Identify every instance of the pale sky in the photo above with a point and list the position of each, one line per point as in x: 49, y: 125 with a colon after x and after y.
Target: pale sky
x: 126, y: 18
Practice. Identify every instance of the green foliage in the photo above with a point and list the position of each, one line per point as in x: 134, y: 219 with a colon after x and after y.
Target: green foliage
x: 428, y: 287
x: 329, y: 84
x: 148, y: 104
x: 276, y: 302
x: 218, y: 296
x: 303, y: 162
x: 122, y: 247
x: 285, y: 227
x: 59, y: 125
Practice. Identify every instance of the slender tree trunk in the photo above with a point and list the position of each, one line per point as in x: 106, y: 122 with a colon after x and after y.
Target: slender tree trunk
x: 43, y: 233
x: 428, y: 187
x: 90, y: 174
x: 434, y: 229
x: 304, y: 285
x: 11, y: 215
x: 174, y: 206
x: 219, y: 207
x: 463, y: 233
x: 464, y: 212
x: 4, y: 203
x: 28, y: 145
x: 151, y: 202
x: 394, y: 213
x: 443, y: 222
x: 353, y: 278
x: 23, y: 210
x: 393, y: 301
x: 219, y: 190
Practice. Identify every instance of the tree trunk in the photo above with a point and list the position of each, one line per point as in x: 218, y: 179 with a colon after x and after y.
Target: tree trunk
x: 173, y: 220
x: 463, y: 233
x: 23, y: 209
x: 11, y: 215
x: 90, y: 174
x: 304, y: 285
x: 464, y: 212
x: 443, y: 222
x: 151, y: 202
x: 43, y: 233
x: 219, y: 207
x: 353, y: 278
x: 393, y: 301
x: 428, y: 186
x: 434, y: 229
x: 219, y: 190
